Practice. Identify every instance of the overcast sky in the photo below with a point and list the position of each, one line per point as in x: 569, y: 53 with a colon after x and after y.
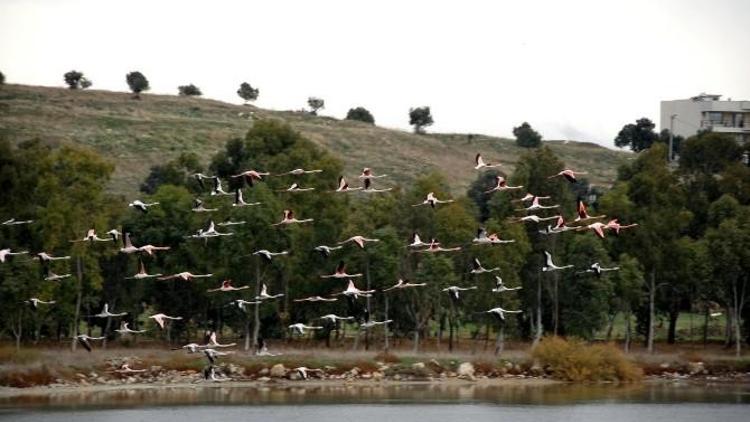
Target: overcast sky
x: 573, y: 69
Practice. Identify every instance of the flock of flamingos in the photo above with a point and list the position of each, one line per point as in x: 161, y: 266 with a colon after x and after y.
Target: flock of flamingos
x: 210, y: 349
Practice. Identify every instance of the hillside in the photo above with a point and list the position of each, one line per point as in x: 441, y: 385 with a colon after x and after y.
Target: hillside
x: 139, y: 134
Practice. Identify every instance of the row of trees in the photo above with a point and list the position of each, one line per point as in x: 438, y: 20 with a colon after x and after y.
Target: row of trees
x: 689, y: 253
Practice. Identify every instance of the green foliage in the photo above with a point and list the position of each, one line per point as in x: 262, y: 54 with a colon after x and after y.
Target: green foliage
x: 247, y: 92
x: 73, y: 79
x: 137, y: 83
x: 709, y: 153
x: 420, y: 117
x: 360, y: 114
x: 175, y: 172
x: 526, y: 136
x: 638, y: 136
x: 189, y: 90
x: 573, y: 360
x: 315, y: 104
x: 2, y: 78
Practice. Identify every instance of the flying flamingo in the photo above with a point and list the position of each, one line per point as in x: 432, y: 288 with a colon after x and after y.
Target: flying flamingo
x: 501, y: 185
x: 212, y: 342
x: 332, y: 318
x: 492, y: 239
x: 316, y: 299
x: 208, y: 232
x: 289, y: 218
x: 4, y: 253
x: 369, y: 189
x: 296, y: 188
x: 84, y: 339
x: 185, y: 276
x: 570, y: 175
x: 401, y: 284
x: 127, y: 245
x: 298, y: 172
x: 535, y: 205
x: 114, y: 235
x: 597, y: 227
x: 199, y: 207
x: 341, y: 272
x: 480, y: 164
x: 597, y: 269
x: 500, y: 312
x: 239, y: 201
x: 150, y: 249
x: 251, y: 175
x: 416, y: 242
x: 455, y: 291
x: 226, y: 286
x: 105, y: 313
x: 353, y: 292
x: 228, y: 222
x: 369, y: 324
x: 616, y: 226
x: 550, y: 266
x: 534, y: 218
x: 265, y: 296
x: 559, y: 227
x: 344, y: 187
x: 242, y: 304
x: 91, y: 237
x: 44, y: 257
x: 435, y: 248
x: 160, y: 319
x: 35, y: 302
x: 142, y: 206
x: 14, y: 222
x: 124, y: 329
x: 501, y: 287
x: 218, y: 188
x: 126, y: 369
x: 359, y: 240
x: 55, y: 277
x: 529, y: 197
x: 583, y: 214
x: 199, y: 177
x: 268, y: 255
x: 432, y: 201
x: 367, y: 174
x: 326, y: 250
x: 300, y: 328
x: 477, y: 268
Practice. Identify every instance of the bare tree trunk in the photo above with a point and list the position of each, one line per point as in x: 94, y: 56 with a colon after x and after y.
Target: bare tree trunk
x: 627, y: 330
x: 538, y: 336
x: 486, y: 335
x: 385, y: 327
x: 651, y: 312
x: 256, y: 310
x: 79, y: 294
x: 416, y: 339
x: 18, y: 329
x: 500, y: 340
x: 556, y: 316
x: 706, y: 314
x: 247, y: 333
x: 611, y: 326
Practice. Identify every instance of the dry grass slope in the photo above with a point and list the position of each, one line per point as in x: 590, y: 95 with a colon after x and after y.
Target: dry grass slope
x: 139, y: 134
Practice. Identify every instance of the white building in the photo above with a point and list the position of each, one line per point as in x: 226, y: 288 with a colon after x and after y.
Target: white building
x: 707, y: 111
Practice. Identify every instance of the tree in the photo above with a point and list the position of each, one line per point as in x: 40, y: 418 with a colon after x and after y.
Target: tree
x: 315, y: 104
x: 247, y: 92
x: 638, y: 136
x: 527, y: 137
x: 709, y: 153
x: 360, y: 114
x: 420, y: 117
x: 2, y: 78
x: 137, y: 83
x: 677, y: 141
x: 189, y: 90
x: 75, y: 80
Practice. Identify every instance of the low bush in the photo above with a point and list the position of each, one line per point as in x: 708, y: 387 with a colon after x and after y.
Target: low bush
x: 574, y: 360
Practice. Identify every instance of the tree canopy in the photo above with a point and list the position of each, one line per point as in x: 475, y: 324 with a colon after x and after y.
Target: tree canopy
x: 420, y: 117
x: 315, y: 104
x: 638, y: 136
x: 247, y: 92
x: 137, y: 83
x: 360, y: 114
x: 189, y: 90
x: 526, y: 136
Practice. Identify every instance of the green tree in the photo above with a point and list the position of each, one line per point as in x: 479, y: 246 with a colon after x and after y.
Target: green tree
x: 189, y: 90
x: 526, y: 136
x: 75, y: 79
x: 709, y: 153
x: 2, y: 78
x: 638, y: 136
x: 360, y: 114
x: 176, y: 172
x: 137, y: 83
x: 420, y: 117
x: 315, y: 104
x: 247, y: 92
x: 627, y: 294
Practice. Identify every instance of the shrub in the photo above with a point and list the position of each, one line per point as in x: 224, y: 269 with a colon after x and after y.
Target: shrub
x: 27, y: 378
x: 419, y: 118
x: 189, y: 90
x: 247, y: 92
x: 137, y: 83
x: 73, y: 79
x: 360, y: 114
x: 526, y: 136
x: 315, y: 104
x: 387, y: 357
x: 574, y: 360
x: 2, y: 78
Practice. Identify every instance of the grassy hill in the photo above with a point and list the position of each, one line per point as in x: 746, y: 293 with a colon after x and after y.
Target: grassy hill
x: 139, y: 134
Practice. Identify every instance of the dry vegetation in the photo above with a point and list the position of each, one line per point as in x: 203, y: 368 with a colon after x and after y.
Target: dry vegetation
x: 577, y: 361
x: 139, y: 134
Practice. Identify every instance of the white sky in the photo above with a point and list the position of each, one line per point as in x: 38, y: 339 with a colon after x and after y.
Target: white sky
x: 573, y: 69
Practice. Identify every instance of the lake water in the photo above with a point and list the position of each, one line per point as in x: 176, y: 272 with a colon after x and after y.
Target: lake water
x: 413, y: 403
